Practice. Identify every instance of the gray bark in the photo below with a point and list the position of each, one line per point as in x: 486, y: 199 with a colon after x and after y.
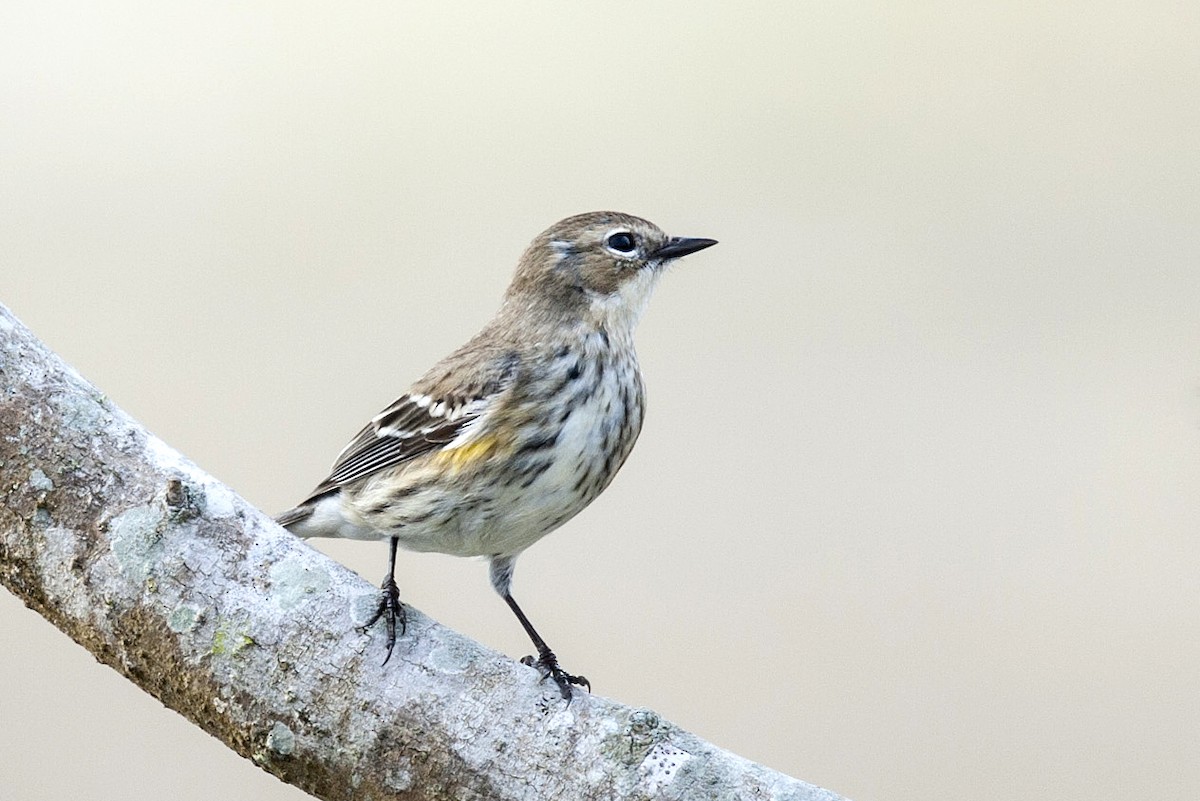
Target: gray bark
x: 180, y: 585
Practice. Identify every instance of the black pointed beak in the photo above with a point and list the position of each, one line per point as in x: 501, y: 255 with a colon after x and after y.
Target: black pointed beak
x: 681, y: 246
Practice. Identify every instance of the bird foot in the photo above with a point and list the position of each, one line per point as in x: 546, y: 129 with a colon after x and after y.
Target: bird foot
x: 547, y: 663
x: 391, y: 610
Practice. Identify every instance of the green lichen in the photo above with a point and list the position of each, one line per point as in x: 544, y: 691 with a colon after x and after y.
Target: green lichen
x: 630, y: 743
x: 281, y: 739
x: 184, y: 618
x: 136, y: 537
x: 227, y: 642
x: 296, y: 580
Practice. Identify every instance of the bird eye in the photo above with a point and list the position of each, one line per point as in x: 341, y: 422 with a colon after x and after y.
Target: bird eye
x: 622, y: 242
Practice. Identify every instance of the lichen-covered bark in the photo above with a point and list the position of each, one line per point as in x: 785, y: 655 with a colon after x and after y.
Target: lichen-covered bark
x: 180, y: 585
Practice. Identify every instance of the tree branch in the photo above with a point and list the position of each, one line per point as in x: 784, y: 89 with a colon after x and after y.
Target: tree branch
x: 181, y: 586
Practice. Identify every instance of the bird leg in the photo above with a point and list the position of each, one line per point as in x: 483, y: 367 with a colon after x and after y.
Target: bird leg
x: 389, y: 604
x: 546, y: 661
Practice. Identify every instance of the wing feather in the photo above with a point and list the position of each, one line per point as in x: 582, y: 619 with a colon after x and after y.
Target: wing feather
x: 415, y: 424
x: 378, y: 446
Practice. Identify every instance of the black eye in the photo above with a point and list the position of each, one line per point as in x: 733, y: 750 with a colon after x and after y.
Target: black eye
x: 622, y: 242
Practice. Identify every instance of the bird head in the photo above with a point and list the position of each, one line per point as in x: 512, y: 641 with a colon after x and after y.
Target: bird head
x: 600, y: 267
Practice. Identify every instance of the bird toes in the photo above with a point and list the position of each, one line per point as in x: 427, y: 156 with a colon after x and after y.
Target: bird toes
x: 547, y: 663
x: 392, y: 611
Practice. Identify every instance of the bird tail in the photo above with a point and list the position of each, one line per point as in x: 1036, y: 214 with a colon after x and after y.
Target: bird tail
x: 294, y: 515
x: 321, y: 516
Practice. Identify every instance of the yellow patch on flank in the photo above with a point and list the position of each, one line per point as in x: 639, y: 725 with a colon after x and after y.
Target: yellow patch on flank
x: 468, y: 453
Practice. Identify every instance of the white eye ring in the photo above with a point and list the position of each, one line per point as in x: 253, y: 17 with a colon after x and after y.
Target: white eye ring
x: 621, y: 242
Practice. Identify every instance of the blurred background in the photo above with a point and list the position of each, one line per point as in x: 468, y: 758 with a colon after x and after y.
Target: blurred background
x: 914, y: 512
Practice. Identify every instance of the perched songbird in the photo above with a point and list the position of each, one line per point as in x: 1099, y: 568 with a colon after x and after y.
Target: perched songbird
x: 514, y: 433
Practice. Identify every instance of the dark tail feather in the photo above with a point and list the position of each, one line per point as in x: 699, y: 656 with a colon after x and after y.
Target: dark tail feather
x: 295, y: 515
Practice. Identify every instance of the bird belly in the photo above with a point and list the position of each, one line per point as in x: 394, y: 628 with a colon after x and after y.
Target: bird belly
x: 504, y: 502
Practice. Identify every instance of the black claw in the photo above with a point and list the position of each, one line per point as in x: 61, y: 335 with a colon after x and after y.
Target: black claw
x: 547, y: 663
x: 391, y: 609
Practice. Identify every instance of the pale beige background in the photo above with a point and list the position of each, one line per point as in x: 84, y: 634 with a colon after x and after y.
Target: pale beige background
x: 914, y: 514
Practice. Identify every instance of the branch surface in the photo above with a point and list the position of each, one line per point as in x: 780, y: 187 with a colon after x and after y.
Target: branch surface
x: 183, y: 587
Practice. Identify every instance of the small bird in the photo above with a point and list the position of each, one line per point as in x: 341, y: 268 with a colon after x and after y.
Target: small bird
x: 514, y: 433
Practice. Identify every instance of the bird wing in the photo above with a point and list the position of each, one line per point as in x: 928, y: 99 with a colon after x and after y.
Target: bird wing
x: 415, y: 424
